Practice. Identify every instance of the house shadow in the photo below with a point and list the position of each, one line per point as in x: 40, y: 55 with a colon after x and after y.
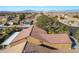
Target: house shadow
x: 43, y: 45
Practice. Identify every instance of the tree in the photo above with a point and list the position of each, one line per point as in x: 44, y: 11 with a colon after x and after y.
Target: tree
x: 51, y: 24
x: 75, y: 16
x: 6, y: 32
x: 41, y: 21
x: 22, y: 16
x: 45, y: 21
x: 48, y: 23
x: 62, y: 29
x: 62, y: 18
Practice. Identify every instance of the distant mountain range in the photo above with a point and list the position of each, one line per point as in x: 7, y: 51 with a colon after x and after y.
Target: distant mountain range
x: 41, y: 11
x: 28, y: 11
x: 49, y: 11
x: 18, y: 11
x: 4, y: 11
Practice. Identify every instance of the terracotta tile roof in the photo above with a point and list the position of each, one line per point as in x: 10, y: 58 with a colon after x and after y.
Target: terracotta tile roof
x: 37, y: 36
x: 23, y: 34
x: 51, y: 38
x: 56, y: 38
x: 1, y: 17
x: 32, y: 48
x: 38, y: 30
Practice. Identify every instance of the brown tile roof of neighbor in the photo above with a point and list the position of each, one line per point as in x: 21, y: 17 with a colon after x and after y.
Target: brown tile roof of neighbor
x: 51, y: 38
x: 36, y: 31
x: 56, y: 38
x: 14, y: 49
x: 23, y: 34
x: 32, y: 48
x: 1, y: 17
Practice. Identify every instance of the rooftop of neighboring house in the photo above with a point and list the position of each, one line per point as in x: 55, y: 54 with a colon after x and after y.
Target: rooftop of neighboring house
x: 38, y: 30
x: 56, y: 38
x: 23, y: 34
x: 40, y: 34
x: 2, y: 17
x: 51, y: 38
x: 32, y: 48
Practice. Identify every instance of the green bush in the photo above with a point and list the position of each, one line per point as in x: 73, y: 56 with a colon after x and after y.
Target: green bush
x: 61, y: 17
x: 51, y: 24
x: 75, y: 16
x: 22, y: 16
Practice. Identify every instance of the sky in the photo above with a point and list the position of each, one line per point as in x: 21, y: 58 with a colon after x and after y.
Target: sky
x: 38, y: 8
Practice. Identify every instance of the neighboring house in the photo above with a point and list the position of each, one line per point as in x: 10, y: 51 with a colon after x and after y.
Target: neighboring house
x: 26, y: 22
x: 58, y: 41
x: 10, y: 23
x: 17, y: 37
x: 12, y: 20
x: 21, y: 37
x: 21, y: 23
x: 41, y: 40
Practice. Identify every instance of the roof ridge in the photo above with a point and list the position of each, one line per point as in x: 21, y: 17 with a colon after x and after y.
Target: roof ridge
x: 31, y: 30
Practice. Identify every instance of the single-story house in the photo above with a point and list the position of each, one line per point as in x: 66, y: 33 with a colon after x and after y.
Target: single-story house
x: 10, y: 23
x: 17, y: 37
x: 58, y: 41
x: 21, y: 37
